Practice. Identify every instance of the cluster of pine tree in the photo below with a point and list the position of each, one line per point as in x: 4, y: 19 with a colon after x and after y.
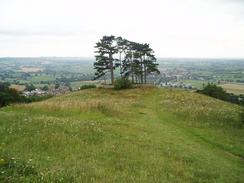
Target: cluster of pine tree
x: 135, y: 61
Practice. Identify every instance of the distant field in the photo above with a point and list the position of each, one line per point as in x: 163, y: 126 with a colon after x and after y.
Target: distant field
x: 42, y: 78
x: 31, y: 69
x: 196, y: 83
x: 234, y: 88
x: 18, y: 87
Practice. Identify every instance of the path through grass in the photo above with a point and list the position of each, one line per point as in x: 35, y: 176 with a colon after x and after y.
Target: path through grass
x: 137, y: 135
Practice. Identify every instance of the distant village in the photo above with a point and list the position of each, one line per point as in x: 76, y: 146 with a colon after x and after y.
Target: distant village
x: 173, y: 78
x: 51, y: 91
x: 176, y: 85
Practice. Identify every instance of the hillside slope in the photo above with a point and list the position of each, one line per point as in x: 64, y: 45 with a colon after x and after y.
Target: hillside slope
x: 137, y: 135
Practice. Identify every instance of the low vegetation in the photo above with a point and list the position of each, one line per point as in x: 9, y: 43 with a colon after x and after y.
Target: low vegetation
x: 83, y: 87
x: 139, y: 135
x: 122, y: 83
x: 218, y: 92
x: 10, y: 95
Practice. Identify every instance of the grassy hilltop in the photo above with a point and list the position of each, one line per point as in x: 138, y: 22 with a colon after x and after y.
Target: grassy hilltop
x: 136, y: 135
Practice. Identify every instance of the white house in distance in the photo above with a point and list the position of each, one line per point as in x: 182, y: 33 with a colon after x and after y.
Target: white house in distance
x: 36, y: 92
x: 176, y: 85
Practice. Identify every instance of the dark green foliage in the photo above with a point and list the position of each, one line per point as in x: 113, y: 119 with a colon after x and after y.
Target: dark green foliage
x: 218, y: 92
x: 45, y: 88
x: 29, y: 87
x: 135, y: 60
x: 57, y: 85
x: 35, y: 98
x: 215, y: 91
x: 122, y: 83
x: 139, y: 62
x: 8, y: 95
x: 4, y: 86
x: 5, y: 99
x: 104, y: 60
x: 83, y: 87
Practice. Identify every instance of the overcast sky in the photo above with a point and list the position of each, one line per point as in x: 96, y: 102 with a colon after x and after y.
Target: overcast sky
x: 174, y: 28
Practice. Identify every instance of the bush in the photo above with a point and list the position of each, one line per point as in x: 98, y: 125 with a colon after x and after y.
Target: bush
x: 215, y: 91
x: 122, y: 84
x: 83, y: 87
x: 218, y: 92
x: 29, y: 87
x: 5, y: 99
x: 45, y: 88
x: 35, y: 98
x: 8, y: 95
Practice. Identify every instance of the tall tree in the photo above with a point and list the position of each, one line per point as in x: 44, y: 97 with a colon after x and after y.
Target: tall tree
x: 137, y: 63
x: 149, y: 62
x: 105, y: 62
x: 121, y: 46
x: 127, y: 61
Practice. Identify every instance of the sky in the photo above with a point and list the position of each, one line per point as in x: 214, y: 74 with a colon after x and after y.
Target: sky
x: 173, y: 28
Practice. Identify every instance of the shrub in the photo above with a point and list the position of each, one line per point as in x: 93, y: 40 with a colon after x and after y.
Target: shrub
x: 218, y: 92
x: 45, y: 88
x: 35, y: 98
x: 83, y: 87
x: 215, y: 91
x: 29, y: 87
x: 5, y: 99
x: 8, y: 95
x: 123, y: 83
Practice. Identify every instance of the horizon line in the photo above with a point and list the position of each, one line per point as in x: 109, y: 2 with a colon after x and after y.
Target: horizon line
x: 89, y: 57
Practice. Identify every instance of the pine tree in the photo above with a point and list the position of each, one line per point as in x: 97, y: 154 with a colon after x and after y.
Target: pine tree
x: 127, y: 68
x: 121, y: 46
x: 104, y: 60
x: 137, y: 63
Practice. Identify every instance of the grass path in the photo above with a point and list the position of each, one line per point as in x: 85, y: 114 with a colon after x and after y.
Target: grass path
x: 138, y: 135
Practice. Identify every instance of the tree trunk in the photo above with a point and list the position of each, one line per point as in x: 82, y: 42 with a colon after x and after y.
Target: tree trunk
x: 145, y: 71
x: 145, y: 76
x: 120, y: 66
x: 141, y: 71
x: 132, y: 69
x: 111, y: 68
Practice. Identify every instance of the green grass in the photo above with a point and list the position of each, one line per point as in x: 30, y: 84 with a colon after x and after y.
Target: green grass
x: 198, y: 84
x: 76, y: 85
x: 42, y: 78
x: 136, y: 135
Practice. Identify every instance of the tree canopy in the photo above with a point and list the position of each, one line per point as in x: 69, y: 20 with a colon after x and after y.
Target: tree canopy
x: 135, y: 61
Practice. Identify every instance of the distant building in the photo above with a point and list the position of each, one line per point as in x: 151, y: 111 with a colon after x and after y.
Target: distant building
x: 59, y: 91
x: 36, y: 92
x: 176, y: 85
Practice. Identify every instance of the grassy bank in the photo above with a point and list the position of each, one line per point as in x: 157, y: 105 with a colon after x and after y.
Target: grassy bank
x: 136, y: 135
